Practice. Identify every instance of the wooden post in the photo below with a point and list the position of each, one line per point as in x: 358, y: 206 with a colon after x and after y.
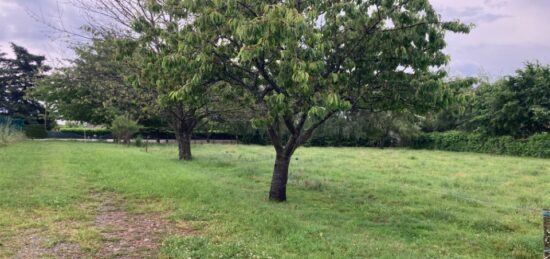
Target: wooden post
x: 546, y: 216
x: 147, y: 143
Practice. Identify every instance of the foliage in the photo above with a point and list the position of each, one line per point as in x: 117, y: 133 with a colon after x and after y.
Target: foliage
x: 124, y: 128
x: 458, y: 112
x: 94, y: 88
x: 9, y: 134
x: 17, y: 77
x: 384, y: 129
x: 36, y: 131
x: 165, y: 69
x: 139, y: 141
x: 302, y: 62
x: 517, y: 106
x: 537, y: 145
x: 374, y: 203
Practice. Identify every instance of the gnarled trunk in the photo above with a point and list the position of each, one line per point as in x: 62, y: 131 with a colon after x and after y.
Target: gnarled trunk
x: 279, y: 179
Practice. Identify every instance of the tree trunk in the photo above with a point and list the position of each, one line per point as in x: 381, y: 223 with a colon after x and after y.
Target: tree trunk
x: 184, y: 146
x: 280, y: 179
x: 158, y: 136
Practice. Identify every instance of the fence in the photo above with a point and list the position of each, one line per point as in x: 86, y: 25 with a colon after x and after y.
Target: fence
x: 16, y: 123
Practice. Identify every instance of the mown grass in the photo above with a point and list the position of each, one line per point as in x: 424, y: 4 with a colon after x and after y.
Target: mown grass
x: 343, y: 202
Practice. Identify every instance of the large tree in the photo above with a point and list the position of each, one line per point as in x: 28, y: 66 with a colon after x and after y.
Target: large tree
x: 305, y: 61
x: 17, y: 78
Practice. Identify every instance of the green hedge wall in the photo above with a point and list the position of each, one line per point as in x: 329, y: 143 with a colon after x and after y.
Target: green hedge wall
x: 36, y: 131
x: 535, y: 146
x: 89, y: 132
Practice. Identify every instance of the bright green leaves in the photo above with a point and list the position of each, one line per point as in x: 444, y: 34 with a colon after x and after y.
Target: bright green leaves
x: 308, y: 57
x: 334, y: 102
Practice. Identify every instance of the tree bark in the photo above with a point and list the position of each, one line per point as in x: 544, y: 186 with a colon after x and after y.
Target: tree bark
x: 184, y: 145
x: 279, y: 179
x: 183, y: 123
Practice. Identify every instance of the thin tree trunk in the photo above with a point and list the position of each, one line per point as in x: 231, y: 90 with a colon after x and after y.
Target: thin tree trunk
x: 280, y: 178
x: 158, y: 136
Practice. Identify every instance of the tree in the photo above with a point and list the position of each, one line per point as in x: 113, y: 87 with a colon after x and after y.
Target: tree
x: 95, y: 89
x: 382, y: 129
x: 17, y: 78
x: 133, y: 21
x: 165, y: 68
x: 303, y: 62
x: 517, y: 105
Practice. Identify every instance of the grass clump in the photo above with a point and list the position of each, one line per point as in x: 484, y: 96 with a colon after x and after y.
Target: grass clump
x: 9, y: 134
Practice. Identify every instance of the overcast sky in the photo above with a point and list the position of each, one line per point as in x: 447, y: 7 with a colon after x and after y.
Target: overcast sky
x: 507, y: 33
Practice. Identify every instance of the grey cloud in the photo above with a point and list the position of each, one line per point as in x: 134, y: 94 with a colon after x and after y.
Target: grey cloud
x: 495, y: 60
x: 28, y: 23
x: 471, y: 14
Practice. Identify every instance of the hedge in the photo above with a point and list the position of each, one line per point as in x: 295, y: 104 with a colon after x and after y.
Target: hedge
x: 36, y: 131
x: 537, y: 145
x: 88, y: 132
x: 151, y: 133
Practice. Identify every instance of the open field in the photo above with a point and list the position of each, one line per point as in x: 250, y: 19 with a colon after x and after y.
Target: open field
x: 102, y: 200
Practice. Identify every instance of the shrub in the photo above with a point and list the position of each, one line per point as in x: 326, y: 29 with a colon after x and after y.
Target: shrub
x: 9, y: 134
x: 124, y: 128
x: 139, y: 141
x: 36, y: 131
x: 537, y: 145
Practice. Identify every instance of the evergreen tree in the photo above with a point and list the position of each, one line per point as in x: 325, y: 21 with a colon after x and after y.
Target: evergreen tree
x: 17, y: 78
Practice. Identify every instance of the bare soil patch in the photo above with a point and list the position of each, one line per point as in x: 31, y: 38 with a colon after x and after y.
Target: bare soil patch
x: 125, y: 235
x: 33, y: 247
x: 132, y: 235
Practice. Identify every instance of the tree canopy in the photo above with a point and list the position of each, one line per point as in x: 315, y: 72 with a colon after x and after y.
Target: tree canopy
x: 94, y: 88
x: 301, y: 62
x: 517, y: 105
x: 17, y: 77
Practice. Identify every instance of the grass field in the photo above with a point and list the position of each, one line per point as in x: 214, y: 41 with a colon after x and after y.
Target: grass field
x: 343, y: 202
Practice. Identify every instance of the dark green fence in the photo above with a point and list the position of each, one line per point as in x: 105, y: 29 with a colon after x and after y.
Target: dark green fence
x: 16, y: 123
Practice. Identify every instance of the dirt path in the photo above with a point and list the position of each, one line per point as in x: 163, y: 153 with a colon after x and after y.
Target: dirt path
x: 125, y: 235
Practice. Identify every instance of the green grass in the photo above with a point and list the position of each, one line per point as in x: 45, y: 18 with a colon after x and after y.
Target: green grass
x: 343, y: 202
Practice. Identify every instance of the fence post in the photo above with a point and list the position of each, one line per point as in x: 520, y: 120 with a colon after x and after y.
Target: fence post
x: 546, y: 216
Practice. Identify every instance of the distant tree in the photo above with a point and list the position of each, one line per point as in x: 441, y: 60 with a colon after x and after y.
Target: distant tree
x: 303, y: 62
x: 94, y: 88
x: 517, y: 105
x: 17, y: 78
x: 138, y: 21
x: 456, y: 114
x: 382, y: 129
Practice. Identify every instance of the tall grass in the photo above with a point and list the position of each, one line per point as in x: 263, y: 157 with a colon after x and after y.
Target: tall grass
x: 9, y: 134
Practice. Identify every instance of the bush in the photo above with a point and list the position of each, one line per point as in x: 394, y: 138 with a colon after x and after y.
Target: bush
x: 124, y: 128
x: 139, y: 141
x: 537, y: 145
x: 9, y: 134
x: 36, y: 131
